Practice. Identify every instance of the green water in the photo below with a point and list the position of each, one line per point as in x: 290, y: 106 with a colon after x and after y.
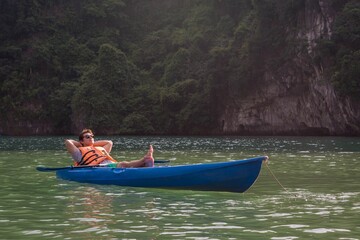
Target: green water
x: 321, y: 199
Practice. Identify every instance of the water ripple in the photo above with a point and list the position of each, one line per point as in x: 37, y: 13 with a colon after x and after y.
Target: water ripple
x: 321, y: 199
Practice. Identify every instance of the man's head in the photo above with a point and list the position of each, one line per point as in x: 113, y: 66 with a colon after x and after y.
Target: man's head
x: 86, y: 137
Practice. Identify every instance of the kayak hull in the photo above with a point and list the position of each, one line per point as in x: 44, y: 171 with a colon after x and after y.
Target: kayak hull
x: 232, y: 176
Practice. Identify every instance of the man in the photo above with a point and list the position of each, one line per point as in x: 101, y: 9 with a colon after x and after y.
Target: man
x: 88, y: 152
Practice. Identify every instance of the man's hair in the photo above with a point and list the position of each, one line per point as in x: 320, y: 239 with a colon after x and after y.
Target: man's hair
x: 86, y: 130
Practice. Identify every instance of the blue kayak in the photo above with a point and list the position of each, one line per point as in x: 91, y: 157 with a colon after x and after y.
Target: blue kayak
x: 232, y: 176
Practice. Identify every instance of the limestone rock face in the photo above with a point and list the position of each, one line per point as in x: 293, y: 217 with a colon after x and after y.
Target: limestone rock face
x: 296, y: 98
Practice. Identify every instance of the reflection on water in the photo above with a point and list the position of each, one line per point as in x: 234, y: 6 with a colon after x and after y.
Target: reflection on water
x: 321, y: 200
x: 91, y: 212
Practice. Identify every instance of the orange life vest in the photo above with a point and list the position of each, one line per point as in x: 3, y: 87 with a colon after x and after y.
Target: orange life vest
x: 93, y: 156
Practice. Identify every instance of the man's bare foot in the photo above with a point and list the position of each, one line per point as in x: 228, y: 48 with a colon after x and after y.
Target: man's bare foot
x: 150, y: 152
x: 148, y: 158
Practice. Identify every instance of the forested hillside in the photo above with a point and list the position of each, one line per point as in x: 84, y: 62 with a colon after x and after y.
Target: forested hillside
x: 155, y: 66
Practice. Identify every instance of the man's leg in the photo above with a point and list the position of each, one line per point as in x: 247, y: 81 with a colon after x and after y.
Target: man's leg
x: 146, y: 161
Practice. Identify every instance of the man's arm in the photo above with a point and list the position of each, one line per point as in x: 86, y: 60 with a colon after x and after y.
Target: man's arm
x: 107, y: 144
x: 72, y: 146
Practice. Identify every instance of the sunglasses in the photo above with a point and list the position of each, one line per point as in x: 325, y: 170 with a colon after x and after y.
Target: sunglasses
x: 89, y: 136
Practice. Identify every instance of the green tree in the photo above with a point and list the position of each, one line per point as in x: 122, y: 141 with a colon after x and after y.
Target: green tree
x: 101, y: 99
x: 346, y: 75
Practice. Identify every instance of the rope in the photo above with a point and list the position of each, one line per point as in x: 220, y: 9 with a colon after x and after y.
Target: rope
x: 267, y: 165
x: 277, y: 180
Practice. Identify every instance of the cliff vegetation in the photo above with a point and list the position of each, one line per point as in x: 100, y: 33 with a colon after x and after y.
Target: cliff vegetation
x: 160, y: 66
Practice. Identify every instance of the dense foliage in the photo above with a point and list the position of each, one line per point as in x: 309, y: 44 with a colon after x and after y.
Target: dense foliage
x: 148, y: 66
x: 346, y: 76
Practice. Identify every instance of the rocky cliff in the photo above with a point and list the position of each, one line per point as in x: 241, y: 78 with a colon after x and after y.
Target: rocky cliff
x: 297, y: 97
